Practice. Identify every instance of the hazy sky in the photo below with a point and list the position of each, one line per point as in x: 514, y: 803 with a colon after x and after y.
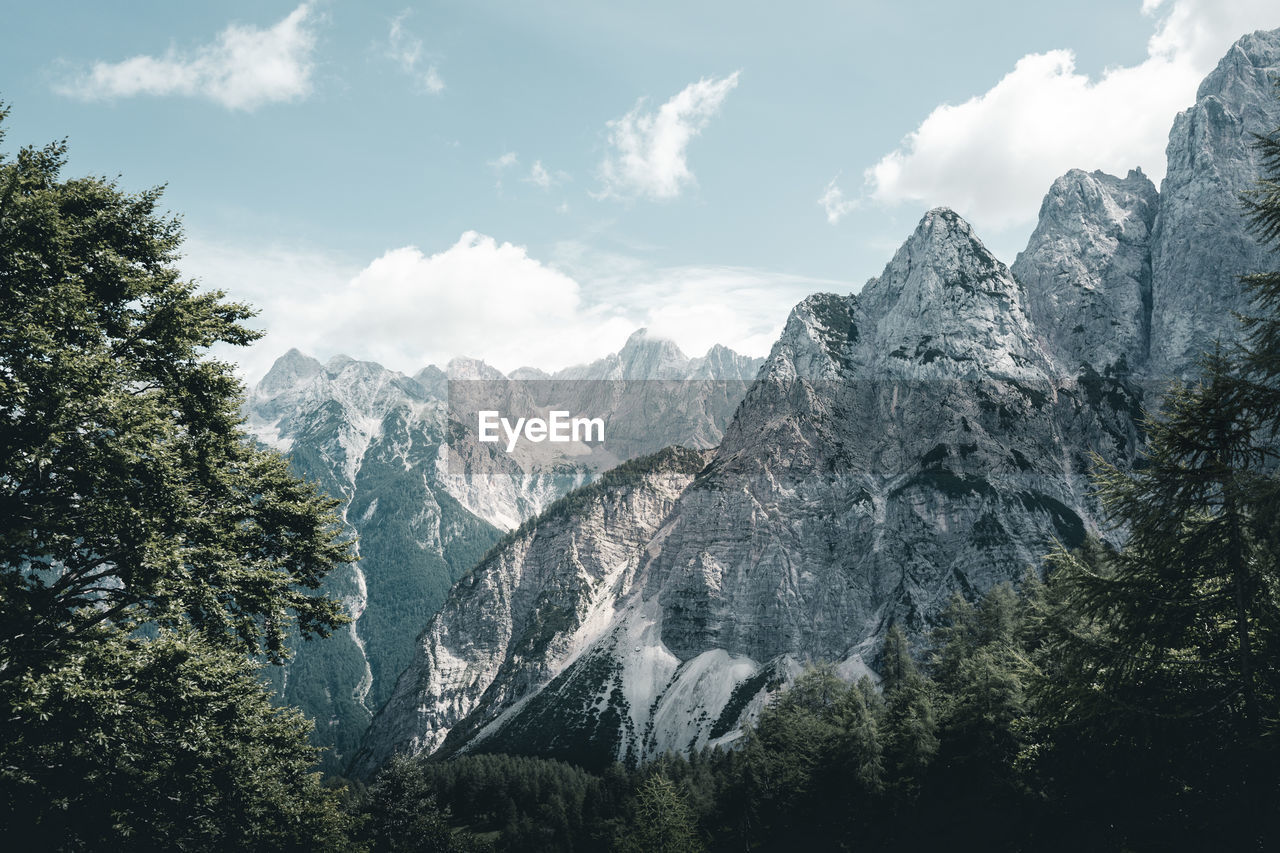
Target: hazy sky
x: 530, y: 182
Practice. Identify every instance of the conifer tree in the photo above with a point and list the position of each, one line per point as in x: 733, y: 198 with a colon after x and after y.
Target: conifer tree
x: 1262, y: 321
x: 663, y: 821
x: 909, y: 726
x: 1159, y: 671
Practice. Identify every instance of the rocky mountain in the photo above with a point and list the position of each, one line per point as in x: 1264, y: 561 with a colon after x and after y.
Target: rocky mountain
x: 1087, y: 270
x: 929, y: 435
x: 897, y: 446
x: 1200, y: 243
x: 427, y: 499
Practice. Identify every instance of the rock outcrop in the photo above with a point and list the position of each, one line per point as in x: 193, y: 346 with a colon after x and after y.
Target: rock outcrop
x: 1087, y: 271
x: 1200, y: 244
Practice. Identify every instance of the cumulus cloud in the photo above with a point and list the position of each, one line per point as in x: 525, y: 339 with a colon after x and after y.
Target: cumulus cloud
x: 649, y: 155
x: 489, y: 299
x: 407, y: 51
x: 243, y: 69
x: 834, y: 203
x: 993, y: 156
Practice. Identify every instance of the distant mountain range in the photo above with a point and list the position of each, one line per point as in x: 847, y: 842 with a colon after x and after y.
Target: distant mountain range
x: 929, y: 435
x: 427, y: 499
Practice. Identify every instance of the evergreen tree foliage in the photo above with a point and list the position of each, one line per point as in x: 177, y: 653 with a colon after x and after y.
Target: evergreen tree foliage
x: 909, y: 722
x: 401, y: 814
x: 1262, y: 322
x: 164, y: 743
x: 148, y: 550
x: 128, y: 492
x: 663, y: 821
x: 813, y: 763
x: 1161, y: 673
x: 979, y: 675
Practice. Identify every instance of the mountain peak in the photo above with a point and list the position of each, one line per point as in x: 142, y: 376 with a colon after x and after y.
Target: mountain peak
x: 946, y: 299
x: 1249, y: 64
x: 647, y: 356
x: 1212, y: 159
x: 289, y: 370
x: 1086, y: 269
x: 942, y: 255
x: 465, y: 368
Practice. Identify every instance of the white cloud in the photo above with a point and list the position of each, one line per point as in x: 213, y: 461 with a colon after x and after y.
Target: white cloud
x: 539, y: 176
x: 994, y: 156
x: 243, y: 69
x: 697, y: 305
x: 501, y: 164
x: 491, y: 300
x: 834, y: 203
x: 407, y: 51
x: 649, y: 156
x: 506, y: 161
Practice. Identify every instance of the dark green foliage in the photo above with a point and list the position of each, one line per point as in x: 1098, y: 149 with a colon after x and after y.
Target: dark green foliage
x: 127, y: 491
x: 514, y: 802
x: 159, y: 744
x: 1160, y: 660
x: 908, y: 718
x: 148, y: 550
x: 1262, y: 355
x: 401, y: 815
x: 979, y: 672
x: 663, y: 821
x: 811, y: 768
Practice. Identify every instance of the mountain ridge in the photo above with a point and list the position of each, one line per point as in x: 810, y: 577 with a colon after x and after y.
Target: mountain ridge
x: 930, y: 435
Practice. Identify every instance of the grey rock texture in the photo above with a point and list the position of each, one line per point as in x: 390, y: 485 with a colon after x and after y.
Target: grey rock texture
x: 531, y: 607
x: 910, y: 442
x: 1200, y: 244
x: 896, y: 447
x: 426, y: 500
x: 1087, y: 270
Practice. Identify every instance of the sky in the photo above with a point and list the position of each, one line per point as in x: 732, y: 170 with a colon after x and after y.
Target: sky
x: 530, y: 183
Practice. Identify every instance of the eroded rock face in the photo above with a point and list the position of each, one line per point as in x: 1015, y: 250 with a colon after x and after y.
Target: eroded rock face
x: 530, y: 609
x: 427, y: 500
x: 900, y: 445
x: 1087, y: 270
x: 896, y: 447
x: 1201, y: 244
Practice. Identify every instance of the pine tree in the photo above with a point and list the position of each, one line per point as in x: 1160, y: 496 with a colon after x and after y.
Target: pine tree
x: 1262, y: 322
x: 1159, y: 667
x: 402, y: 814
x: 909, y: 724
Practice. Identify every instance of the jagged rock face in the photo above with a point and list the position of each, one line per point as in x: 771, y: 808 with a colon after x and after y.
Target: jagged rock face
x: 647, y: 357
x: 426, y: 500
x: 930, y: 435
x: 895, y: 448
x: 530, y: 608
x: 369, y: 437
x: 1201, y: 244
x: 900, y: 446
x: 1087, y: 270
